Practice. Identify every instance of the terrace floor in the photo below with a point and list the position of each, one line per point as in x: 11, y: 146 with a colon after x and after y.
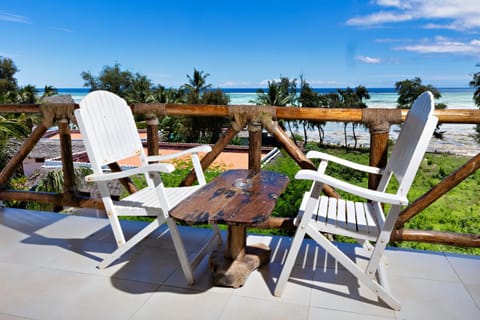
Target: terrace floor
x: 48, y: 271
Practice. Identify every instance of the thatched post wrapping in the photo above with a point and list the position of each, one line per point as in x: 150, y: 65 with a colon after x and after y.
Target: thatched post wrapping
x: 378, y: 122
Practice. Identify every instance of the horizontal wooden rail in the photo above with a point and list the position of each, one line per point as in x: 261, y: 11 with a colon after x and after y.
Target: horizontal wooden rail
x: 437, y: 237
x: 468, y: 116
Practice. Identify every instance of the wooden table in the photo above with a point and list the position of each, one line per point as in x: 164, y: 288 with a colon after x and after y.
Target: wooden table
x: 222, y: 201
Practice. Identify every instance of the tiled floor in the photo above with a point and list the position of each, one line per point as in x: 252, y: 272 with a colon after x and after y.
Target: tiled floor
x: 48, y: 271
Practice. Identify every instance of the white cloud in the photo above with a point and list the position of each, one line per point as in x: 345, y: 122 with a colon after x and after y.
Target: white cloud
x: 444, y: 45
x: 379, y: 18
x: 62, y: 29
x: 368, y: 60
x: 447, y: 14
x: 235, y: 84
x: 5, y: 16
x: 8, y: 55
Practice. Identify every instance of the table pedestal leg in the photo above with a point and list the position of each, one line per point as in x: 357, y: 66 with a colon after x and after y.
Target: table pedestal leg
x: 232, y: 267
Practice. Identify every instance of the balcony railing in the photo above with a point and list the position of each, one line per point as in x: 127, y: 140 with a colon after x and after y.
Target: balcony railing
x: 254, y: 118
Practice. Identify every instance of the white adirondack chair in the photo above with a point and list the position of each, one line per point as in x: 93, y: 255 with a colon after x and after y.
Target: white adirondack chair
x: 363, y: 221
x: 110, y: 135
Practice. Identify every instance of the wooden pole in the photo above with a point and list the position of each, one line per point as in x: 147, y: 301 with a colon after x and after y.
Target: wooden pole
x: 378, y: 155
x: 69, y: 189
x: 438, y: 237
x: 469, y: 116
x: 378, y: 122
x: 212, y: 155
x: 439, y: 190
x: 152, y: 135
x: 254, y: 147
x: 21, y: 154
x: 126, y: 182
x: 56, y: 199
x: 295, y: 152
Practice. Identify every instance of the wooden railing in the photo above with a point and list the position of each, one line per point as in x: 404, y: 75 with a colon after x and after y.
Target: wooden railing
x: 254, y: 118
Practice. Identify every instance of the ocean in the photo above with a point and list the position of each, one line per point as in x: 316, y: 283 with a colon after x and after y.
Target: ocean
x: 458, y: 138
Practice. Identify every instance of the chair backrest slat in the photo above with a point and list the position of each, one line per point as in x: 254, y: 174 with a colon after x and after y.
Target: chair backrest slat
x: 411, y: 144
x: 109, y: 126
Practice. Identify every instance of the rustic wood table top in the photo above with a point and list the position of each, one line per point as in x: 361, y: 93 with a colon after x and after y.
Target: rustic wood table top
x: 236, y: 197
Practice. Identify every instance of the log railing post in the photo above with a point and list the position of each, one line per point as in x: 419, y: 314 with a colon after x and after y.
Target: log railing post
x: 60, y: 109
x: 254, y: 147
x: 69, y: 190
x: 152, y: 135
x: 378, y: 122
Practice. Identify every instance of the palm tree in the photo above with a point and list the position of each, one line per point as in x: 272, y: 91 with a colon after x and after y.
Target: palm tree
x: 197, y: 84
x: 310, y: 99
x: 476, y: 96
x: 353, y: 98
x: 49, y: 91
x: 280, y: 94
x: 27, y: 94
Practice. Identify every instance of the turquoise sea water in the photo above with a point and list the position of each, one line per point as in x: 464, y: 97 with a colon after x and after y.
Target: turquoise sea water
x: 458, y: 137
x: 455, y: 98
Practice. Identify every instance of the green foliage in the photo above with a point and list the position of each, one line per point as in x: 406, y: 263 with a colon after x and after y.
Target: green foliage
x: 279, y: 94
x: 113, y: 79
x: 197, y: 91
x: 410, y: 89
x: 475, y: 83
x: 8, y: 82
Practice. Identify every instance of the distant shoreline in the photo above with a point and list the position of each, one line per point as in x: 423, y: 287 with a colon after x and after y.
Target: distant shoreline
x: 253, y: 90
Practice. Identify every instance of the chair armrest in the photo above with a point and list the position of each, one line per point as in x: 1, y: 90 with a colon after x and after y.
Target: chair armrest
x: 356, y: 190
x: 158, y: 167
x: 343, y: 162
x: 202, y: 148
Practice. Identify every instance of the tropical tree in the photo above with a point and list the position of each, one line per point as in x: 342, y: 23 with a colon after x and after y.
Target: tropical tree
x: 280, y: 94
x: 8, y: 82
x: 198, y: 91
x: 49, y: 91
x: 408, y: 91
x: 310, y: 99
x: 475, y: 83
x: 27, y: 94
x: 111, y: 78
x: 196, y: 86
x: 139, y: 90
x: 352, y: 98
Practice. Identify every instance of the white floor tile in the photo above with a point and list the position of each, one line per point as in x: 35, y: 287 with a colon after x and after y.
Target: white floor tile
x: 340, y: 290
x: 178, y: 304
x: 433, y: 299
x: 249, y: 308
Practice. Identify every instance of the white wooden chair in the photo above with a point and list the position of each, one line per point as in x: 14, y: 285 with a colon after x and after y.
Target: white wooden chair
x: 110, y: 135
x: 363, y: 221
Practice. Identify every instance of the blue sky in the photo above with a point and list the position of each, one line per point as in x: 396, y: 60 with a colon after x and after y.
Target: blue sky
x: 244, y: 43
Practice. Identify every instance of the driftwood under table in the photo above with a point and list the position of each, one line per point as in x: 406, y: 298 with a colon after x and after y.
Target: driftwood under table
x: 239, y: 199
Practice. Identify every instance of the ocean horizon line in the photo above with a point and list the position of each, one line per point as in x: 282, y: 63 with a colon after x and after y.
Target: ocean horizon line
x: 254, y: 90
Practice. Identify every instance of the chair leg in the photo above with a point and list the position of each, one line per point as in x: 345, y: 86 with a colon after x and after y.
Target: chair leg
x: 354, y: 269
x: 180, y: 249
x: 290, y: 261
